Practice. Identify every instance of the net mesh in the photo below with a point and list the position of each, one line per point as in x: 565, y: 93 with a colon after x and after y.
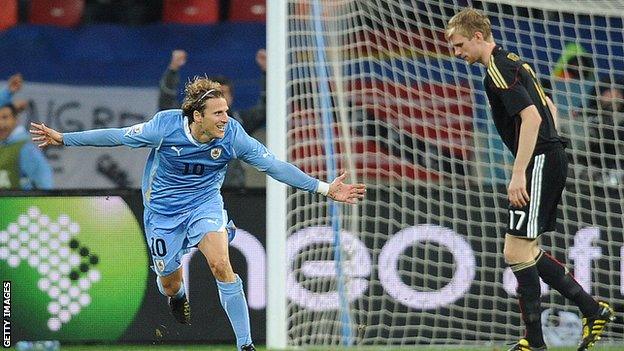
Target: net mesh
x: 373, y: 91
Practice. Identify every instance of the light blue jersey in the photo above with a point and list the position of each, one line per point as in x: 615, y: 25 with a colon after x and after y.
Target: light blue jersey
x: 5, y: 96
x: 181, y: 173
x: 34, y: 170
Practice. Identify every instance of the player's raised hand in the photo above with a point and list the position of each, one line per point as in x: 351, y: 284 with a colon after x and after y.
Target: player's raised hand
x: 44, y: 136
x: 343, y: 192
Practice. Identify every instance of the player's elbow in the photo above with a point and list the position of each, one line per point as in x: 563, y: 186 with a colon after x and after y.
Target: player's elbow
x: 530, y: 115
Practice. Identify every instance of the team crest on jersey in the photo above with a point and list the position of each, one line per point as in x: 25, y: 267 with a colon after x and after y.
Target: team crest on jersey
x: 513, y: 56
x: 160, y: 265
x: 135, y: 129
x: 215, y: 153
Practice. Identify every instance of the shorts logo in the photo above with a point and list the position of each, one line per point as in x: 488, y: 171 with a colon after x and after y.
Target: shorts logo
x: 135, y: 129
x: 215, y: 153
x: 160, y: 265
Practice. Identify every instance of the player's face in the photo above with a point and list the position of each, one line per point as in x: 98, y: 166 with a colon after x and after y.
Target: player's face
x: 8, y: 122
x: 214, y: 118
x: 464, y: 48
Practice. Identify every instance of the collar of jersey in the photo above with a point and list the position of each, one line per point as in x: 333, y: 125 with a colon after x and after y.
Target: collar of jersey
x: 187, y: 131
x: 189, y: 136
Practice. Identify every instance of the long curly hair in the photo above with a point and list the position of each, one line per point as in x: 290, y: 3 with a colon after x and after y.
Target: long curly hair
x: 196, y: 92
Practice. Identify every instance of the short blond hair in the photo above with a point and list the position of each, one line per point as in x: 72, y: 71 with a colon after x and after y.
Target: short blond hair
x: 467, y: 22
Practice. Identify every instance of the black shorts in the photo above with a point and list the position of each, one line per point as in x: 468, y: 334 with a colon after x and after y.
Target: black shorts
x: 546, y: 178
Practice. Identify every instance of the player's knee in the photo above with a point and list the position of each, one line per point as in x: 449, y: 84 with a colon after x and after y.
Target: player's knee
x: 169, y: 287
x: 534, y: 249
x: 513, y: 256
x: 221, y: 269
x: 516, y: 251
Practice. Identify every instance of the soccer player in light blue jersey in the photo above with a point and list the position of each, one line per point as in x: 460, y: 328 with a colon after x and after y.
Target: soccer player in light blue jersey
x: 181, y: 190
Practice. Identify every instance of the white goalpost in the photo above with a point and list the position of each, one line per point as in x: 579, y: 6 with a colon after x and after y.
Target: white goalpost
x: 370, y: 87
x: 276, y: 327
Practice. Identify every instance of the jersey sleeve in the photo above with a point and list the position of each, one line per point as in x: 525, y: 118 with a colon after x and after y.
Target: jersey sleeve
x: 35, y: 167
x: 505, y: 77
x: 253, y: 152
x: 5, y: 96
x: 148, y: 134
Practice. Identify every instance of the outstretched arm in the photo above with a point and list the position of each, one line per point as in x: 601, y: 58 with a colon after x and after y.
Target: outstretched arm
x: 140, y: 135
x: 253, y: 152
x: 44, y: 136
x: 287, y: 173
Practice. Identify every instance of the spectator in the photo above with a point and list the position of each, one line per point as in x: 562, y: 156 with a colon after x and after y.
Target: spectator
x: 168, y: 94
x: 254, y: 118
x: 251, y: 119
x: 22, y: 164
x: 13, y: 86
x: 606, y: 130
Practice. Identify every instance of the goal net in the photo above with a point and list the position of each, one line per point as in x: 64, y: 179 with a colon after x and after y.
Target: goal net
x: 373, y: 90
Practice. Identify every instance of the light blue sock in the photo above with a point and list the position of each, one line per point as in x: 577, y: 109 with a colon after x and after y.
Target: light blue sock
x: 178, y: 295
x: 235, y: 305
